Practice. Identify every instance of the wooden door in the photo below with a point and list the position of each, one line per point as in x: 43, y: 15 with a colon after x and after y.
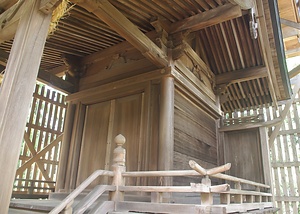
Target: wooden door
x: 103, y: 121
x: 243, y: 151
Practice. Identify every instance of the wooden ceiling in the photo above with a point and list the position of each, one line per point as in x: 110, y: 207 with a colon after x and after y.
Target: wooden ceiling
x: 289, y: 13
x: 246, y: 69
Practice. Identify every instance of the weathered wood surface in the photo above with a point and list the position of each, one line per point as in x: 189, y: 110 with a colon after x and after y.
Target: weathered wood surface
x: 18, y: 87
x: 248, y: 165
x: 44, y: 125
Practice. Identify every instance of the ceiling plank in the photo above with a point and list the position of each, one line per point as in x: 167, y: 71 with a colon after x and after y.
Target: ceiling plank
x: 105, y: 11
x: 244, y: 4
x: 211, y: 17
x: 241, y: 75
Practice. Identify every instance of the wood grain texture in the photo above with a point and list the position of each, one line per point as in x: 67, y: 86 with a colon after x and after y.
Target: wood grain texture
x: 18, y: 87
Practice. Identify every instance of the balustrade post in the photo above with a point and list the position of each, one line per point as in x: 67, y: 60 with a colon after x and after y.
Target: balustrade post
x: 118, y: 168
x: 206, y: 198
x: 238, y: 198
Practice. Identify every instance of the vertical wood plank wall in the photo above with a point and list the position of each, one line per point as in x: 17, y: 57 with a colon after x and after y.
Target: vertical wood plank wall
x: 39, y: 155
x: 285, y: 154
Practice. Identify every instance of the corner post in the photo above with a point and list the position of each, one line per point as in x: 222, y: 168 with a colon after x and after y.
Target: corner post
x: 16, y: 91
x: 118, y: 168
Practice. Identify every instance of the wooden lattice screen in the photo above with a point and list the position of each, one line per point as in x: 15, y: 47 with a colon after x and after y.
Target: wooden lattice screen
x: 39, y: 155
x: 285, y: 158
x: 285, y: 152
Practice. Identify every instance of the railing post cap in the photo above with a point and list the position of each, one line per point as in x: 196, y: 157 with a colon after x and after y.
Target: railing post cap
x: 120, y: 140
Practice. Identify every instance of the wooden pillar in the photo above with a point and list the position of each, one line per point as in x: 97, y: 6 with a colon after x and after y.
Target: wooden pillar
x: 16, y: 92
x: 166, y: 127
x: 65, y: 147
x: 266, y: 158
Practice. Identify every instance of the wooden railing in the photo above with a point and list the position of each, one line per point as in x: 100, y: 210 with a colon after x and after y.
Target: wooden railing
x: 229, y: 200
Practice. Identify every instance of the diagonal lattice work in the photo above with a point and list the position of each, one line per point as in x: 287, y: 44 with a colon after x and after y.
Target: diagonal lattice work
x: 39, y: 155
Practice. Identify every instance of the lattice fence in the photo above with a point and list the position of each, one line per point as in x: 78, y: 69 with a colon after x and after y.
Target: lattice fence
x: 285, y: 158
x: 39, y: 155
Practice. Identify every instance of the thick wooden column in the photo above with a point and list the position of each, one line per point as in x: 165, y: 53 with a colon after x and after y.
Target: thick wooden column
x: 16, y: 92
x: 166, y: 126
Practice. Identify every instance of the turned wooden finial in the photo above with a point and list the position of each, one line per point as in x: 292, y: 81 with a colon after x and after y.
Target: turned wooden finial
x: 119, y: 151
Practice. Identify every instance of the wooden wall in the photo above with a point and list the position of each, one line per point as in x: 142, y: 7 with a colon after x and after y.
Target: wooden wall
x: 120, y: 94
x: 195, y: 137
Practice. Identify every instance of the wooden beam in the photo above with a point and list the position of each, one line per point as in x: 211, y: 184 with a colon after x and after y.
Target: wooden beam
x: 244, y: 4
x: 284, y: 113
x: 266, y: 52
x: 59, y: 71
x: 47, y: 77
x: 211, y: 17
x: 241, y: 75
x: 9, y: 20
x: 5, y: 4
x: 290, y: 23
x: 105, y: 11
x: 56, y: 82
x: 38, y: 155
x: 47, y: 5
x: 16, y: 92
x: 294, y: 72
x: 289, y: 32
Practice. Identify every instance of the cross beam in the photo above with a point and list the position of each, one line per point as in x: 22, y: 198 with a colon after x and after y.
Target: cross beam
x: 105, y: 11
x: 211, y: 17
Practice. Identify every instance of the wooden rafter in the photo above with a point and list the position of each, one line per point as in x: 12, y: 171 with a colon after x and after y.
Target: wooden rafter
x: 284, y: 113
x: 241, y: 75
x: 208, y: 18
x: 105, y: 11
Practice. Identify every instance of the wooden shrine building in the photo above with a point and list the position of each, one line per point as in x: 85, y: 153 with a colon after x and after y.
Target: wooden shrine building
x: 162, y: 73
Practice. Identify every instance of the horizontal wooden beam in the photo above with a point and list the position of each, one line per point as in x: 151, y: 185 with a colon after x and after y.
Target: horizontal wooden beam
x: 105, y: 11
x: 211, y: 17
x: 241, y: 75
x: 45, y: 77
x: 56, y: 82
x: 59, y: 71
x: 290, y: 23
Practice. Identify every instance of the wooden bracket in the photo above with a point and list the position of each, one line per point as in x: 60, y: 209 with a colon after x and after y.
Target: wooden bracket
x: 47, y: 6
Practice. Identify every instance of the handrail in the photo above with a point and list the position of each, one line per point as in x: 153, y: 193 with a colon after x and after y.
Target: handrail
x: 79, y: 189
x: 173, y: 173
